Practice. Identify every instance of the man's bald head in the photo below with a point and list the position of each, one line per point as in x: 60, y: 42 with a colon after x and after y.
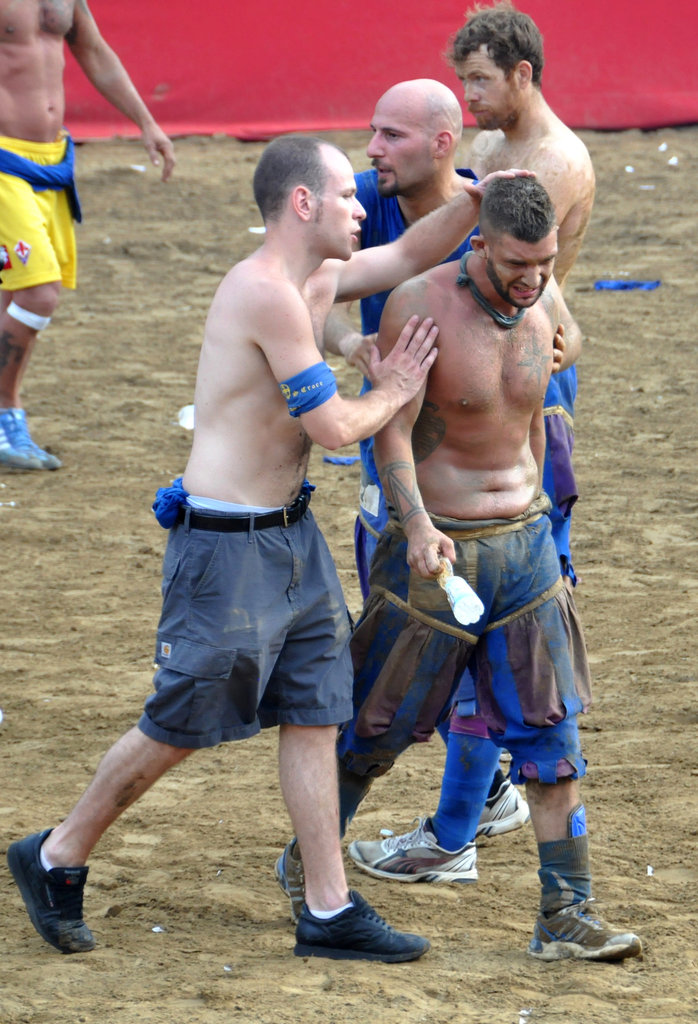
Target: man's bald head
x: 427, y: 104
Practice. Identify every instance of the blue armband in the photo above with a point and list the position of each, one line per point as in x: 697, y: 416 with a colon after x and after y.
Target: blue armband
x: 309, y: 389
x: 167, y: 502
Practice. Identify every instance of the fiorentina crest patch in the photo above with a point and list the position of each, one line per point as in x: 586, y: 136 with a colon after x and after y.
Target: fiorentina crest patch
x: 23, y: 250
x: 5, y: 261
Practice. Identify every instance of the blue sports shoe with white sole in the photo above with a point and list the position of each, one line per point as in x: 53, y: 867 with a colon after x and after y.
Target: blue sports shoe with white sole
x: 17, y: 450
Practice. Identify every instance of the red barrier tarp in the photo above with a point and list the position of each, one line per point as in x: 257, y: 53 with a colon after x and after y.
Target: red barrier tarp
x: 255, y: 72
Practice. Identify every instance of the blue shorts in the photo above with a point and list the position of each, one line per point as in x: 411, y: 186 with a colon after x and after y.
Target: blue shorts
x: 254, y: 633
x: 527, y: 650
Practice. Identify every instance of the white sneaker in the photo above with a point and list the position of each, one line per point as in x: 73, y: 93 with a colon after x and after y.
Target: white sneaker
x: 415, y: 857
x: 505, y: 811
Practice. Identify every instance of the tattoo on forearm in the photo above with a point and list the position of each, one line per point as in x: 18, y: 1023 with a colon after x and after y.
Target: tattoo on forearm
x: 413, y: 512
x: 401, y: 489
x: 537, y: 360
x: 428, y: 432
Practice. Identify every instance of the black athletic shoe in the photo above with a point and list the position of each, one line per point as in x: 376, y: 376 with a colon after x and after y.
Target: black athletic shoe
x: 53, y: 898
x: 358, y: 933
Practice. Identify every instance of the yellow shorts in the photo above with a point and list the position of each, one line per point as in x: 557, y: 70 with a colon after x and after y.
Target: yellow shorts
x: 37, y: 238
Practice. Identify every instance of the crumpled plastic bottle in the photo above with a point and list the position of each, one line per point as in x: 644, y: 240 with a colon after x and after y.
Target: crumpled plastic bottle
x: 465, y: 604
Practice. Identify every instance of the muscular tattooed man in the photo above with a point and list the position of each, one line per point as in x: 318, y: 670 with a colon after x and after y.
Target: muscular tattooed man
x: 461, y: 466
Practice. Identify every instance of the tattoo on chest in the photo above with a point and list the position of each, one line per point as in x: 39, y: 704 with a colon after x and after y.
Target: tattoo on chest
x: 536, y: 360
x: 56, y: 16
x: 428, y: 432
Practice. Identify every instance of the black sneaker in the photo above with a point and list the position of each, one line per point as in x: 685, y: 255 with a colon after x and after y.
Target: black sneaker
x: 358, y: 933
x: 53, y: 898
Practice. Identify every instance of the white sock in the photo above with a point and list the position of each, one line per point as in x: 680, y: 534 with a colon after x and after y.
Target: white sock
x: 45, y: 863
x: 327, y: 915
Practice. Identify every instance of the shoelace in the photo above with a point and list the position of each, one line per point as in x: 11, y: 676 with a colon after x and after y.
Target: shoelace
x: 368, y: 912
x: 393, y: 843
x: 583, y: 910
x: 68, y: 899
x: 14, y: 427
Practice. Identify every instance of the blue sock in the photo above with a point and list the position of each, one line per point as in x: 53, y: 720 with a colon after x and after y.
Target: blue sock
x: 470, y: 763
x: 443, y: 729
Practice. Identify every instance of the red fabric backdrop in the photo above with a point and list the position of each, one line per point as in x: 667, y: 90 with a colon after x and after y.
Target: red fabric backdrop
x: 255, y: 72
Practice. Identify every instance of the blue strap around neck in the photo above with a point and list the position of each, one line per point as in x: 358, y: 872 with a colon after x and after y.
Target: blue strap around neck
x: 464, y: 279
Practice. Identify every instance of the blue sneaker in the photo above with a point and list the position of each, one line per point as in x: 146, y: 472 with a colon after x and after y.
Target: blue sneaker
x: 53, y: 898
x: 577, y: 932
x: 17, y: 450
x: 358, y: 933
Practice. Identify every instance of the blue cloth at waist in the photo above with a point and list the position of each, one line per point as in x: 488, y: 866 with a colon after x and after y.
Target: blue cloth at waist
x: 46, y: 176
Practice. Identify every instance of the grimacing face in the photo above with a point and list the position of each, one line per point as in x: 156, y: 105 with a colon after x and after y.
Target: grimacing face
x: 519, y: 271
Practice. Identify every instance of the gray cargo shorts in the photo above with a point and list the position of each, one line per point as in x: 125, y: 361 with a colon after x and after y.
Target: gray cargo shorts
x: 253, y: 633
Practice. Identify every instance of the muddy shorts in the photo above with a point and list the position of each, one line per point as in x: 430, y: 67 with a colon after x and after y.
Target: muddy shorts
x: 254, y: 633
x: 527, y: 651
x: 37, y: 237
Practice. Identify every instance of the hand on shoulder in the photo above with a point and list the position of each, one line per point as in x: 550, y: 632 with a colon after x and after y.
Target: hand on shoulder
x: 405, y: 367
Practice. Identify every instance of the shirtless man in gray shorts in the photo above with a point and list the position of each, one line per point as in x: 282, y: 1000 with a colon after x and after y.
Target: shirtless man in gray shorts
x: 249, y: 635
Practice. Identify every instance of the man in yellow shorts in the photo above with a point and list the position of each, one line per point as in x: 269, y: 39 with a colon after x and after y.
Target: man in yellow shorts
x: 38, y: 200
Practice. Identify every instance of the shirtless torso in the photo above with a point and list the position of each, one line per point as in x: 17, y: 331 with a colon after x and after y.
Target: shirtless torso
x: 32, y: 61
x: 472, y: 445
x: 265, y: 326
x: 238, y: 455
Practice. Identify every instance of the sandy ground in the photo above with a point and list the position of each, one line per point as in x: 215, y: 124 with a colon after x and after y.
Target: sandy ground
x: 181, y: 895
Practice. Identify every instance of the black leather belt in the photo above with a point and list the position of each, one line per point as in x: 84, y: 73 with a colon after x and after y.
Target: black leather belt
x: 199, y: 520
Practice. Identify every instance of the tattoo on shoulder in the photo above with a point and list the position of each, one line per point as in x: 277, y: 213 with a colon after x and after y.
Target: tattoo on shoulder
x: 428, y: 432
